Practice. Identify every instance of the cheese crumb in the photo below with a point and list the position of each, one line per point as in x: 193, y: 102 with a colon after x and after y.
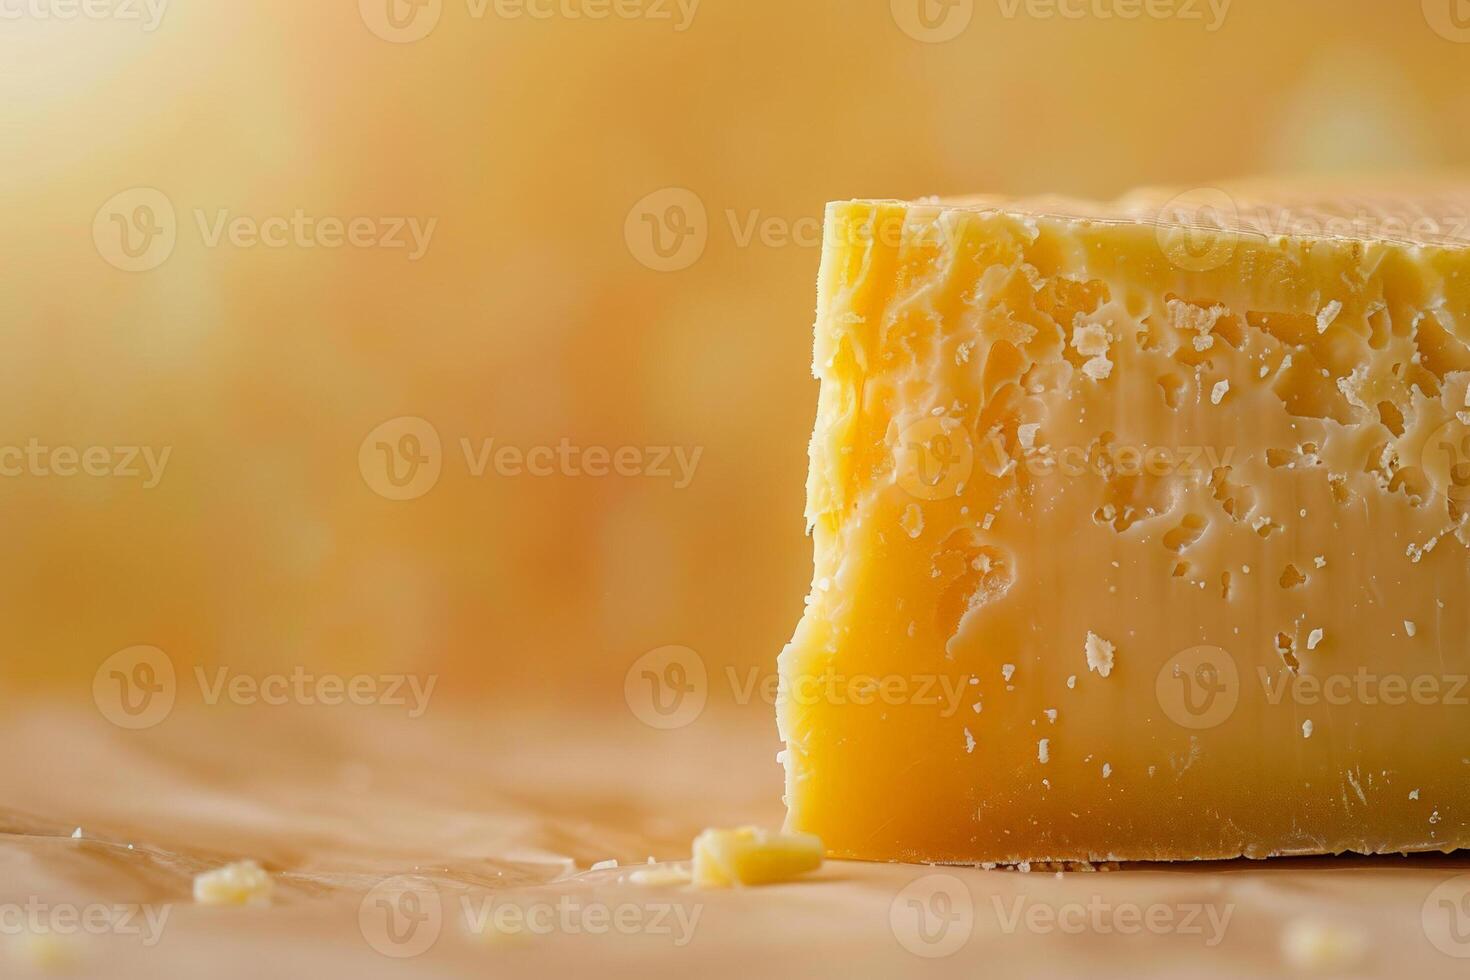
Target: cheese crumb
x: 1099, y: 368
x: 45, y: 952
x: 1413, y: 794
x: 1314, y: 638
x: 241, y: 883
x: 1320, y: 561
x: 1099, y: 654
x: 1410, y: 627
x: 1107, y: 770
x: 1008, y: 671
x: 654, y: 877
x: 605, y: 865
x: 1324, y: 947
x: 1091, y: 339
x: 1051, y: 715
x: 1072, y: 681
x: 969, y: 740
x: 912, y: 521
x: 1217, y: 394
x: 1043, y: 751
x: 76, y: 834
x: 751, y: 856
x: 1327, y: 314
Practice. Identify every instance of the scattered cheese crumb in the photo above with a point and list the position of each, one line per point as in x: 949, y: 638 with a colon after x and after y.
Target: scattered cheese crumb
x: 605, y: 865
x: 1043, y: 751
x: 1410, y: 627
x: 1320, y: 561
x: 1051, y: 715
x: 1099, y: 654
x: 1072, y: 681
x: 1307, y: 728
x: 654, y: 877
x: 969, y: 740
x: 1314, y: 945
x: 1217, y: 394
x: 1327, y: 314
x: 1107, y: 770
x: 751, y: 856
x: 1091, y: 339
x: 1098, y: 368
x: 1314, y: 638
x: 1008, y: 671
x: 76, y: 834
x: 241, y: 883
x: 912, y: 521
x: 1413, y: 794
x: 46, y: 952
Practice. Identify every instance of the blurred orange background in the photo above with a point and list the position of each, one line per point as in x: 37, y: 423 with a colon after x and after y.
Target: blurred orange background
x: 538, y: 149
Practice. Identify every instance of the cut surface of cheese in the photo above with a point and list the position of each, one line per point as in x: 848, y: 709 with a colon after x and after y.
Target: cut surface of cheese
x: 1139, y: 528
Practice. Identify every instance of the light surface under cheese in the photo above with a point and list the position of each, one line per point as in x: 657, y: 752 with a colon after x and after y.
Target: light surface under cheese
x: 1138, y: 529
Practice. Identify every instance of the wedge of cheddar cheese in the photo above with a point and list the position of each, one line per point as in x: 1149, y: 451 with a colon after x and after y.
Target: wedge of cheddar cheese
x: 1140, y: 529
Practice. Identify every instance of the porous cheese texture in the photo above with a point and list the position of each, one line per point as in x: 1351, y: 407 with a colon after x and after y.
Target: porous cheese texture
x: 241, y: 883
x: 1186, y: 472
x: 752, y: 856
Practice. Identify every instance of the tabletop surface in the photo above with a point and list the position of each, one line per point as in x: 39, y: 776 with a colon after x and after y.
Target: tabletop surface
x: 463, y: 841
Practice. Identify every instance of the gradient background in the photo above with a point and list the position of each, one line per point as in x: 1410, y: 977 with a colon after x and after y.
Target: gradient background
x: 534, y: 315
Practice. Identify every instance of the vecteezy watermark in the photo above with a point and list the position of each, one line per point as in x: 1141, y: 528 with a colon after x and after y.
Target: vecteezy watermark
x: 401, y: 917
x: 135, y: 688
x: 570, y: 916
x: 1446, y: 461
x: 1445, y: 917
x: 932, y: 21
x: 137, y: 230
x: 832, y: 687
x: 404, y: 916
x: 1198, y: 230
x: 667, y: 688
x: 407, y: 21
x: 1100, y: 916
x: 933, y: 916
x: 138, y: 687
x: 1210, y: 14
x: 37, y: 917
x: 403, y: 458
x: 667, y: 230
x: 1199, y: 688
x: 1360, y: 224
x: 1363, y: 687
x: 935, y: 456
x: 146, y: 13
x: 1450, y: 19
x: 37, y: 461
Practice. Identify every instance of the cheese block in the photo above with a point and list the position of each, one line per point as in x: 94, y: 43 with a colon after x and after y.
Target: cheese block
x: 1139, y: 528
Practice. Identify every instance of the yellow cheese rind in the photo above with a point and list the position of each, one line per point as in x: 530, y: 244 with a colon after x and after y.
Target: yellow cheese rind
x: 1007, y: 657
